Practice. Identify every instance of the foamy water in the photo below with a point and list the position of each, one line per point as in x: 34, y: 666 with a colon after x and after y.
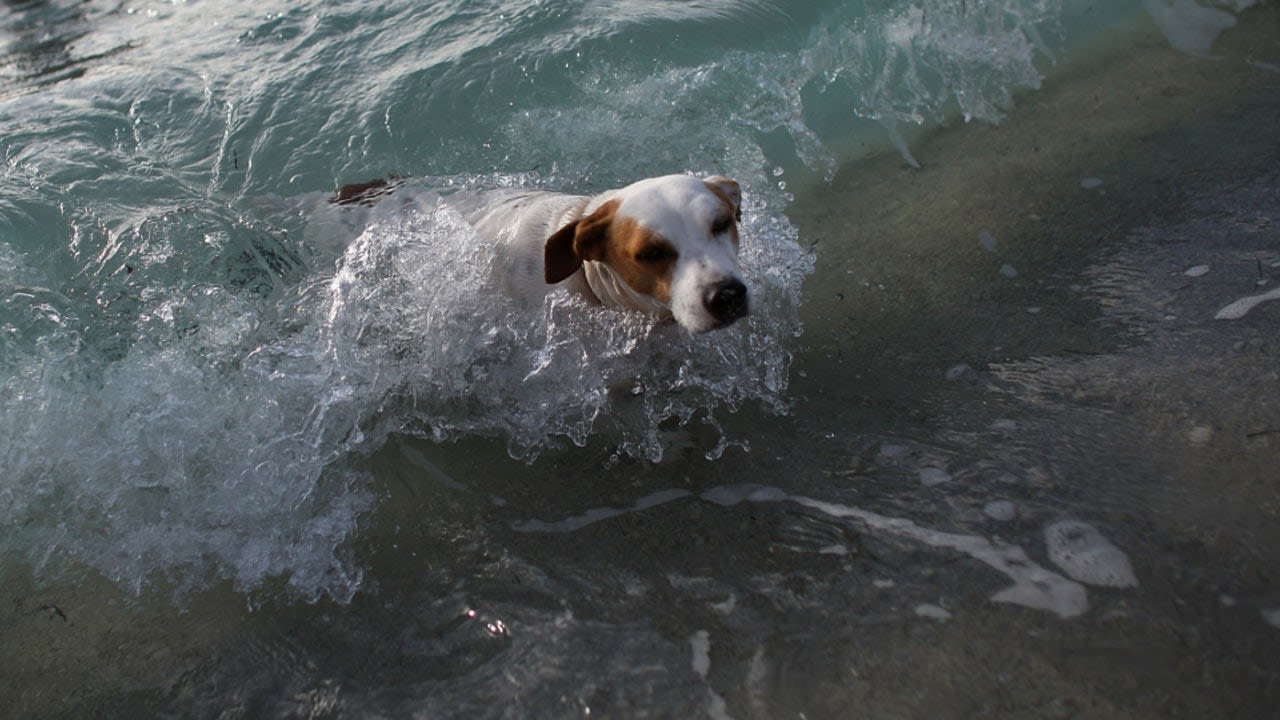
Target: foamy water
x: 191, y: 374
x: 217, y: 444
x: 415, y: 312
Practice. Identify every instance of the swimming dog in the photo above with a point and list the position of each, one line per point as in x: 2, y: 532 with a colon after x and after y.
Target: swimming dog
x: 664, y: 246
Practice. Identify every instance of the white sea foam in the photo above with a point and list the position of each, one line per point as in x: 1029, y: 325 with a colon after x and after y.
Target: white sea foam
x: 1085, y: 555
x: 1033, y: 586
x: 933, y: 612
x: 1004, y: 425
x: 186, y: 459
x: 700, y: 645
x: 1000, y: 510
x: 1241, y: 307
x: 1269, y: 67
x: 931, y: 476
x: 595, y: 515
x: 1188, y: 25
x: 1200, y: 435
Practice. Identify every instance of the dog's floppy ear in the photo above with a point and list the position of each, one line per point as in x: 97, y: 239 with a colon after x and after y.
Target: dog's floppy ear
x: 729, y: 190
x: 579, y: 240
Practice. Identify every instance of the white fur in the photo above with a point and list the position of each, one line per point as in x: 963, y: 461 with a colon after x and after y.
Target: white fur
x: 679, y: 208
x: 519, y: 225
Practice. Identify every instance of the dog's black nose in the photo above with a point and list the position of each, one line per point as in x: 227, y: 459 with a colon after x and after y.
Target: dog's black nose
x: 726, y: 301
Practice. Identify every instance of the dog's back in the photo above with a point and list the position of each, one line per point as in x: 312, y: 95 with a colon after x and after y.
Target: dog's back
x: 519, y: 225
x: 518, y: 222
x: 664, y: 246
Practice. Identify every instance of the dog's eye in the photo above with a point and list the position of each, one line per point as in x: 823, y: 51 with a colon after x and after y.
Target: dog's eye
x: 656, y: 252
x: 721, y: 224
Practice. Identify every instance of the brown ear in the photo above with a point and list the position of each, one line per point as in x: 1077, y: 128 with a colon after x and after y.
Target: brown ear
x: 729, y: 190
x: 579, y: 240
x: 559, y: 261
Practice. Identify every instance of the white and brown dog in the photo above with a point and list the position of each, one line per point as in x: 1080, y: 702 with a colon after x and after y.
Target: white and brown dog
x: 665, y: 246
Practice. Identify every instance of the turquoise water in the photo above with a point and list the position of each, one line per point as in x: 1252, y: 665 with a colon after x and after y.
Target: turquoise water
x: 212, y: 383
x: 183, y: 366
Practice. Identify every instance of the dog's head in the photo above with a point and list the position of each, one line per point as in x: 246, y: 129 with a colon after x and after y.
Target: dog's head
x: 673, y: 239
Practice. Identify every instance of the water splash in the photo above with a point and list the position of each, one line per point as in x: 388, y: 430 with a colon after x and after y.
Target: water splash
x: 415, y: 315
x: 220, y: 443
x: 911, y: 63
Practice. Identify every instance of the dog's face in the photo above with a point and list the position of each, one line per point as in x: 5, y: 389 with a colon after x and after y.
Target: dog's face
x: 673, y: 239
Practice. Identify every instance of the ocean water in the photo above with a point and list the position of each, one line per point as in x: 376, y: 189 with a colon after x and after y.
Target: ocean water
x: 214, y: 385
x: 191, y: 360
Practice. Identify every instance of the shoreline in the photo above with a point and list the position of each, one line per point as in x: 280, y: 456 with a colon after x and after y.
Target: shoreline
x: 1051, y: 269
x: 1066, y: 235
x: 1143, y: 127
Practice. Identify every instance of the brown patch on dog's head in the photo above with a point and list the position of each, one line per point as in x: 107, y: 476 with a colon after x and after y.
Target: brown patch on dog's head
x: 642, y: 258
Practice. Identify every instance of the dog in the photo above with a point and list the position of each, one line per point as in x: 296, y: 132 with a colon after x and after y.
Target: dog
x: 665, y: 246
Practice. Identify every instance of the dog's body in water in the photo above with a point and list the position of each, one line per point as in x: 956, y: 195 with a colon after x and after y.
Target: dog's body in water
x: 664, y: 246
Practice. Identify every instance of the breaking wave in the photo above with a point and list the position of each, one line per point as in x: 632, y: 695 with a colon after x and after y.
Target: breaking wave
x: 220, y: 444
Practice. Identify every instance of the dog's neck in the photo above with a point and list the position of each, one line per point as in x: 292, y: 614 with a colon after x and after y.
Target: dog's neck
x: 613, y: 291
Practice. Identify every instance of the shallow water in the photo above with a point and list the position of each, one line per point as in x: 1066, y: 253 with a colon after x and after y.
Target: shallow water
x: 981, y: 449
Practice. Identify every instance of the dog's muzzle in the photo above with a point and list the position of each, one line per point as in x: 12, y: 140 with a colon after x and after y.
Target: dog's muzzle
x: 726, y: 301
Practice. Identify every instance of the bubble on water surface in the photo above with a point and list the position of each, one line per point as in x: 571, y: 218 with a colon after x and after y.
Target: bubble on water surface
x: 932, y: 612
x: 1000, y: 510
x: 1200, y: 435
x: 1272, y: 617
x: 1004, y: 425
